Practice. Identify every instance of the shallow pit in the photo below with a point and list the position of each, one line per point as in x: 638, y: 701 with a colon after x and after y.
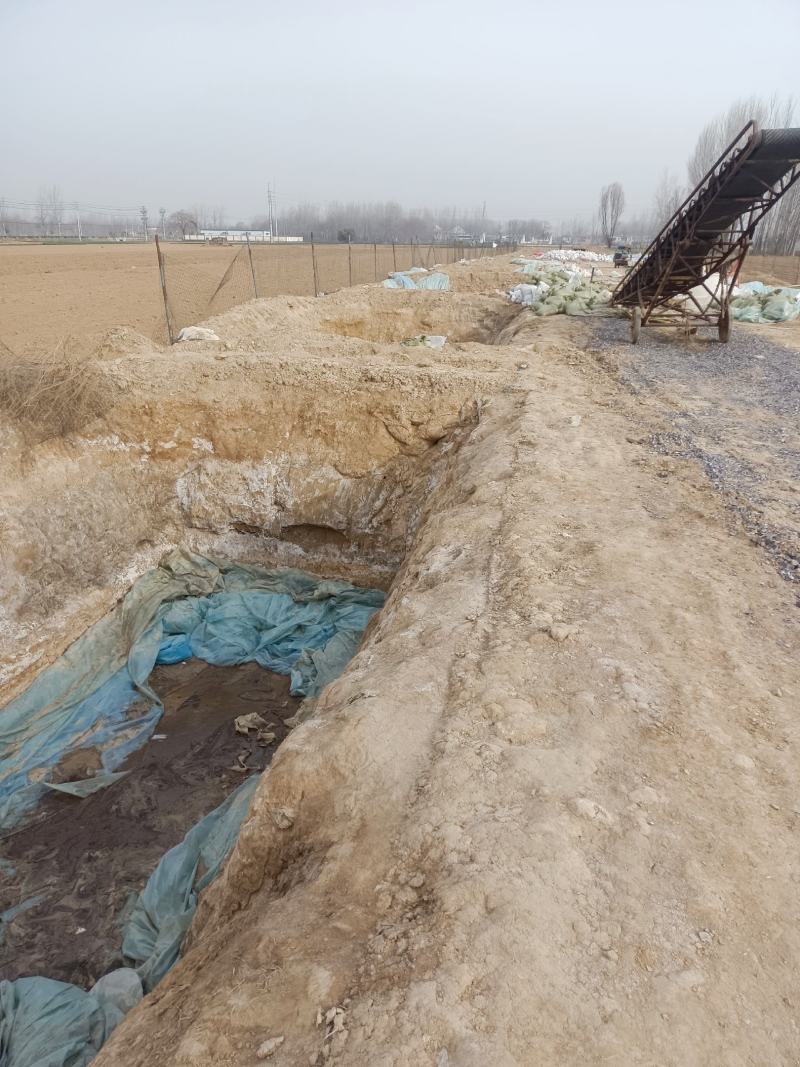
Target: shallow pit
x: 481, y: 324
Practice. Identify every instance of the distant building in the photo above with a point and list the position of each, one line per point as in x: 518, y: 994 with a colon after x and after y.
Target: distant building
x: 458, y: 235
x: 234, y: 236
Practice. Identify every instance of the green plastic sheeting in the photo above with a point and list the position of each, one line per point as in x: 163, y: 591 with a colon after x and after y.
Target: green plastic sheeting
x: 285, y: 620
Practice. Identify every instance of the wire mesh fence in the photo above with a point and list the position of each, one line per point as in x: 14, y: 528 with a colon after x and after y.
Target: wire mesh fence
x: 65, y: 296
x: 779, y: 269
x: 200, y: 282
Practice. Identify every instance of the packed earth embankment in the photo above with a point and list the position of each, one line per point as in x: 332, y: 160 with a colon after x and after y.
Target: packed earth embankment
x: 548, y: 814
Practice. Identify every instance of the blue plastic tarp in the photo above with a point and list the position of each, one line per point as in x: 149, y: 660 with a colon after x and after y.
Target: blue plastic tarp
x: 97, y: 694
x: 44, y: 1023
x: 402, y: 280
x: 164, y: 909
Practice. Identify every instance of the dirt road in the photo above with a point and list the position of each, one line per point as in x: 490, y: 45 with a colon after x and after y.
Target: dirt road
x: 735, y: 409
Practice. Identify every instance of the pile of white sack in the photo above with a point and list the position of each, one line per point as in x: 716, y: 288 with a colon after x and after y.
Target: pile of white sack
x: 559, y: 291
x: 572, y: 255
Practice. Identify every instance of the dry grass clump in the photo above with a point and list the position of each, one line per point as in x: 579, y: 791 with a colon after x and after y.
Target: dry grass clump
x: 54, y: 395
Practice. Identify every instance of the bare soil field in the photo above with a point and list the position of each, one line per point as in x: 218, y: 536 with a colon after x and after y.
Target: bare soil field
x: 49, y: 293
x: 548, y: 814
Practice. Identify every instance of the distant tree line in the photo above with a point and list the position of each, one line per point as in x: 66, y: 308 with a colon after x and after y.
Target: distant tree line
x: 388, y: 221
x: 380, y: 222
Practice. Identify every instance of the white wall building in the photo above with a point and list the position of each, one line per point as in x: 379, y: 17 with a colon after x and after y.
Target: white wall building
x: 232, y: 236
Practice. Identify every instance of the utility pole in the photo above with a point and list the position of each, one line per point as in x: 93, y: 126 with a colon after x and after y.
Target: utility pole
x: 271, y: 212
x: 162, y: 211
x: 78, y: 222
x: 143, y: 213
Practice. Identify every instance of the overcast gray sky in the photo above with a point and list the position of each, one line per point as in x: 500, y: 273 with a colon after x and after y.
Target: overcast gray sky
x: 529, y: 106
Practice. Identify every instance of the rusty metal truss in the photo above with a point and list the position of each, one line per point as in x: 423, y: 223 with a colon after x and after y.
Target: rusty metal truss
x: 686, y: 275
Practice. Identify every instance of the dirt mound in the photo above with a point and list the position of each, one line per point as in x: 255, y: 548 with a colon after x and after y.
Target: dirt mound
x: 121, y: 342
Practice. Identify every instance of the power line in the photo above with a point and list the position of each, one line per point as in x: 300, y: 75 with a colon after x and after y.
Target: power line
x: 82, y: 207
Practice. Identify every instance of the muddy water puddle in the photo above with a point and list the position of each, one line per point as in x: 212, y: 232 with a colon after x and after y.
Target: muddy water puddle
x: 77, y: 865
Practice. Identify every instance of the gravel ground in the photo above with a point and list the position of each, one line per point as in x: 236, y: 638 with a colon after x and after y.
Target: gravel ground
x: 735, y: 409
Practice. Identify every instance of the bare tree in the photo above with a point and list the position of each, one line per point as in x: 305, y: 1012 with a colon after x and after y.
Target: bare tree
x: 637, y: 227
x: 779, y: 231
x: 668, y: 198
x: 184, y: 222
x: 55, y: 208
x: 216, y: 217
x: 200, y: 214
x: 42, y: 212
x: 612, y: 204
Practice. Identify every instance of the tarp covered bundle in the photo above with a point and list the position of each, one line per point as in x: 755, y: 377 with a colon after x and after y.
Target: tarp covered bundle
x: 402, y: 279
x: 756, y: 302
x: 288, y: 621
x: 96, y: 694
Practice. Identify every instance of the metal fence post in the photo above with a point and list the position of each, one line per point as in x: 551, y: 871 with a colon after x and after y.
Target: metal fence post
x: 394, y: 256
x: 252, y: 268
x: 314, y: 265
x: 163, y: 275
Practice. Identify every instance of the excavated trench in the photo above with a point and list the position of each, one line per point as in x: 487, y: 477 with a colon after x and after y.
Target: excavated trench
x: 329, y: 476
x: 481, y: 321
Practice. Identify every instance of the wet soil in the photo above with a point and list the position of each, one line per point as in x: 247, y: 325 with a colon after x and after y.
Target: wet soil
x: 86, y: 859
